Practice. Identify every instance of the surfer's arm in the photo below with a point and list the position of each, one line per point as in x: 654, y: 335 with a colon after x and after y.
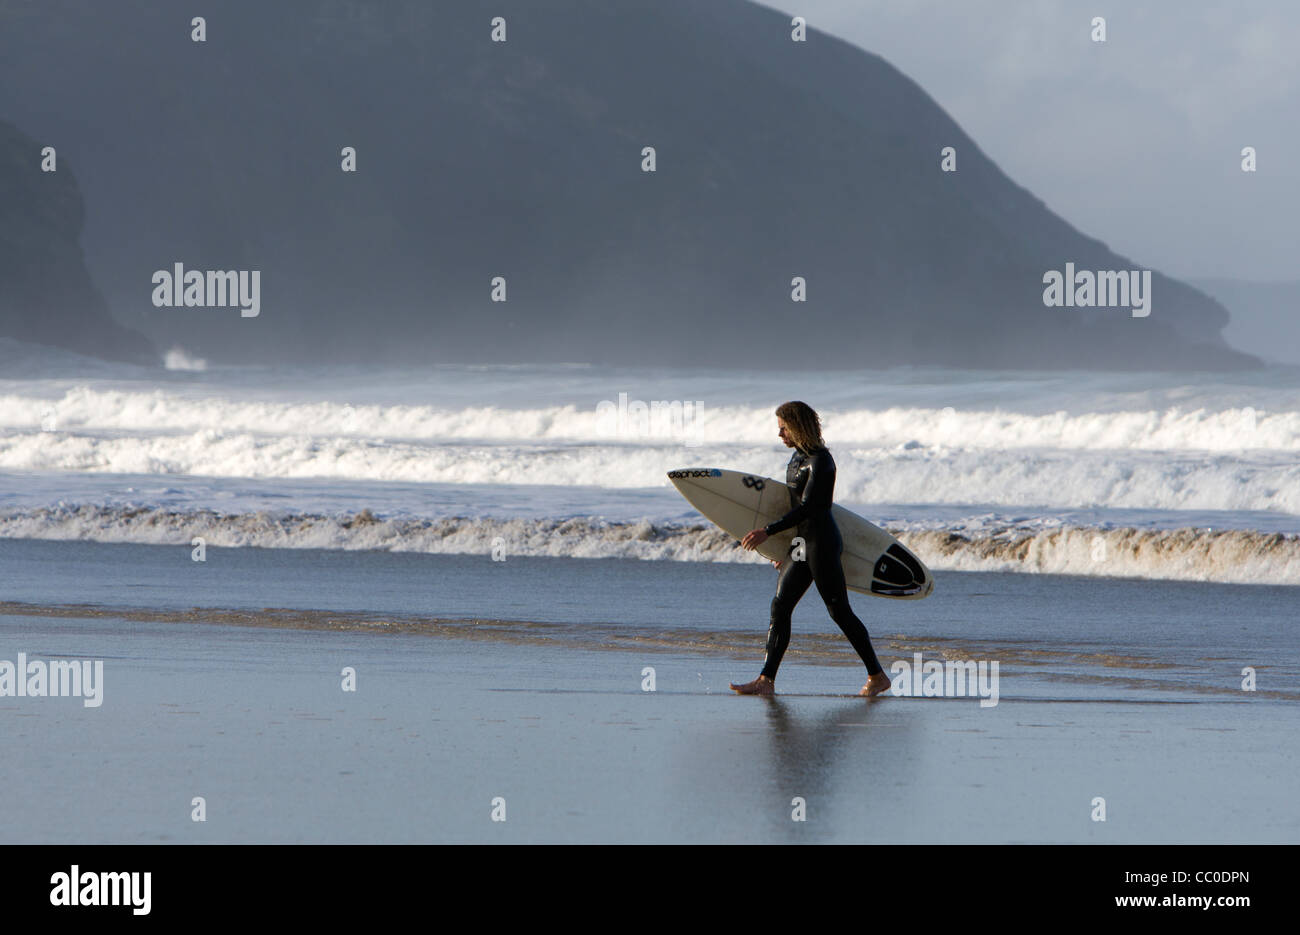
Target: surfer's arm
x: 817, y: 493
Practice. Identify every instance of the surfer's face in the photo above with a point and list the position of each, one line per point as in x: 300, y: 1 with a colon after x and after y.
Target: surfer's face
x: 784, y: 433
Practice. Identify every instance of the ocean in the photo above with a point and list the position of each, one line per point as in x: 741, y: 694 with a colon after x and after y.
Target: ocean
x: 1165, y: 476
x: 533, y: 615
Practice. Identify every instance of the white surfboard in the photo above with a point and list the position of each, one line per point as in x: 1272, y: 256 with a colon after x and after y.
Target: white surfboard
x: 874, y: 561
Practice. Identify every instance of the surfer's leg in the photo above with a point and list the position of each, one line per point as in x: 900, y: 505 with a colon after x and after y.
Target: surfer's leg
x: 792, y: 584
x: 827, y: 571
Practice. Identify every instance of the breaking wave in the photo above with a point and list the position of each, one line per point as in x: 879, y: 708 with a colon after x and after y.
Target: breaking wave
x: 1193, y: 427
x: 1228, y: 556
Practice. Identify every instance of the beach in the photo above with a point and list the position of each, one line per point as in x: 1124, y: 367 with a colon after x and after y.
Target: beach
x: 386, y: 390
x: 538, y: 714
x: 464, y: 604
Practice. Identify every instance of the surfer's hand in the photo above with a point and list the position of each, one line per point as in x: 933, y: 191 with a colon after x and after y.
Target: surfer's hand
x: 753, y: 539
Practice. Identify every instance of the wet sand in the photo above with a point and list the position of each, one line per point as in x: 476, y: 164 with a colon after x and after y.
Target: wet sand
x: 523, y: 681
x: 446, y: 727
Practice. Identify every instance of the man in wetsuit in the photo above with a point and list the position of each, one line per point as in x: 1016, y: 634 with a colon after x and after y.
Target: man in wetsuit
x: 811, y: 474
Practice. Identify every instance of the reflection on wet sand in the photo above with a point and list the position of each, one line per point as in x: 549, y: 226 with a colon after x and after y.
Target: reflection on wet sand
x: 1086, y: 665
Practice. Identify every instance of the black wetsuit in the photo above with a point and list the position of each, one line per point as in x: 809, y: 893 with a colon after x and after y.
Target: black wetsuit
x: 813, y: 479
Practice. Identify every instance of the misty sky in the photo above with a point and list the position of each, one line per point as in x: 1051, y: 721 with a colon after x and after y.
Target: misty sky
x: 1135, y: 141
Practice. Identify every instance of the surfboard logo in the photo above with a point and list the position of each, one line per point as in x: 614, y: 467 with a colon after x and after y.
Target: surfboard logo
x: 756, y: 482
x: 898, y: 574
x: 698, y: 472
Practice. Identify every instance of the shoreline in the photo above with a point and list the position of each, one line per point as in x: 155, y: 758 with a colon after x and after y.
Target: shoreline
x: 255, y: 722
x: 1018, y: 660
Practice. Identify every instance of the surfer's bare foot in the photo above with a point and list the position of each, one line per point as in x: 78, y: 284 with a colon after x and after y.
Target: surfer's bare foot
x: 876, y: 684
x: 760, y: 686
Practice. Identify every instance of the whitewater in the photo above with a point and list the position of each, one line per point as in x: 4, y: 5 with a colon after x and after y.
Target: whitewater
x: 1177, y: 476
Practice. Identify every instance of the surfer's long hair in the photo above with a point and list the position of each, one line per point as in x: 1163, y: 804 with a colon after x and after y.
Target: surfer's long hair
x: 804, y: 425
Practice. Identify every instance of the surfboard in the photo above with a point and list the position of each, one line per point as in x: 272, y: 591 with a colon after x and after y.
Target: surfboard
x: 874, y: 561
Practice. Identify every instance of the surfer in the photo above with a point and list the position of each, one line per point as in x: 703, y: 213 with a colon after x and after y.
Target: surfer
x: 811, y: 474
